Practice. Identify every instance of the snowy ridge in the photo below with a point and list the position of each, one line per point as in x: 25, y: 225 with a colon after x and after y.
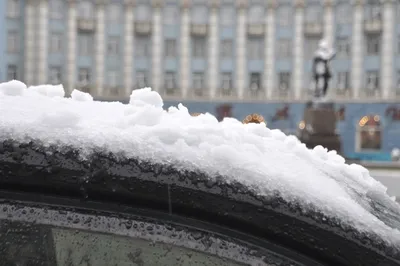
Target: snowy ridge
x: 266, y: 160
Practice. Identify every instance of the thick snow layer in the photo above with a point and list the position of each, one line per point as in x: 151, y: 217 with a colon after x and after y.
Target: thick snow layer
x: 266, y: 160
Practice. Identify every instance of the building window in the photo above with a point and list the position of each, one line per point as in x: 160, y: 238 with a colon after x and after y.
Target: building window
x: 369, y: 134
x: 398, y: 83
x: 141, y: 79
x: 142, y: 48
x: 85, y: 10
x: 314, y: 14
x: 373, y: 44
x: 372, y: 81
x: 343, y: 47
x: 199, y: 14
x: 344, y: 13
x: 55, y: 75
x: 284, y: 48
x: 84, y: 76
x: 311, y: 47
x: 255, y: 48
x: 227, y: 15
x: 198, y: 81
x: 343, y: 79
x: 85, y: 44
x: 226, y: 48
x: 373, y: 11
x: 397, y: 11
x: 170, y: 81
x: 56, y: 43
x: 284, y: 81
x: 170, y: 48
x: 56, y: 9
x: 171, y: 15
x: 143, y: 13
x: 284, y: 16
x: 113, y: 46
x: 226, y: 83
x: 398, y: 43
x: 12, y: 42
x: 199, y: 47
x: 112, y: 78
x: 12, y: 72
x: 114, y: 13
x: 255, y: 82
x: 13, y: 7
x: 256, y: 14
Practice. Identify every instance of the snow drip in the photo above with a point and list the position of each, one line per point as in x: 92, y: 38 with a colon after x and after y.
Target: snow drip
x: 266, y: 160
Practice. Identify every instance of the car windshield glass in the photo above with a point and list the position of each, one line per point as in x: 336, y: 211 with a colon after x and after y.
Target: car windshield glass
x: 33, y: 235
x: 25, y: 244
x: 266, y: 161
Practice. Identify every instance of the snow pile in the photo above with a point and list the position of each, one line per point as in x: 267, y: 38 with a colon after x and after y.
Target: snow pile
x: 49, y: 90
x: 81, y: 96
x: 266, y: 160
x: 13, y: 87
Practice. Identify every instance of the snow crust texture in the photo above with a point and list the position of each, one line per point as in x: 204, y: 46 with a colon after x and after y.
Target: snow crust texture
x: 266, y: 160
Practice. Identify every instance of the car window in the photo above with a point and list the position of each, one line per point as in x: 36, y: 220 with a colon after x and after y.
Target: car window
x: 32, y: 244
x: 106, y: 249
x: 45, y: 236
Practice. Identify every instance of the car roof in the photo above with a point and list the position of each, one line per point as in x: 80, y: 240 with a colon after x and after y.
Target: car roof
x: 264, y: 180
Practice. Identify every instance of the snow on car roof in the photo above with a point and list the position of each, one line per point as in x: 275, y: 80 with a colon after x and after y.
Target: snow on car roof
x: 266, y: 160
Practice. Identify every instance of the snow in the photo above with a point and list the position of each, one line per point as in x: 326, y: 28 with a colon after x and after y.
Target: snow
x: 263, y: 159
x: 325, y: 51
x: 49, y: 90
x: 13, y: 87
x: 395, y: 154
x: 81, y: 96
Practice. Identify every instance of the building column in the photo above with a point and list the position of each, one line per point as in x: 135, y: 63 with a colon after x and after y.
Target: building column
x: 387, y: 48
x: 128, y: 45
x: 329, y: 22
x: 43, y: 41
x: 357, y: 49
x: 100, y: 46
x: 213, y: 49
x: 71, y: 46
x: 241, y: 62
x: 29, y: 43
x: 157, y: 46
x: 269, y: 49
x: 298, y: 49
x: 184, y: 70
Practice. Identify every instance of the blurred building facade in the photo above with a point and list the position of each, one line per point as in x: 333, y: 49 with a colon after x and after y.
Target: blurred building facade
x: 203, y: 49
x: 250, y: 54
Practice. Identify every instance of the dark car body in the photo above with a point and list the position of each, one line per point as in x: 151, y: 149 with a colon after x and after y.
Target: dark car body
x: 269, y: 230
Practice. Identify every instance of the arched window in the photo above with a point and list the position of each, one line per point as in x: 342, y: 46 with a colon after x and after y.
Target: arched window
x: 200, y: 14
x: 284, y: 14
x: 344, y: 13
x: 256, y: 14
x: 171, y: 15
x: 114, y: 12
x: 369, y: 134
x: 373, y: 10
x: 85, y: 10
x: 56, y: 9
x: 143, y: 12
x: 227, y: 15
x: 314, y: 13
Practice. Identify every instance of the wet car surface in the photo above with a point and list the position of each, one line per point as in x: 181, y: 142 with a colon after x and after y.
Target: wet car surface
x: 43, y: 189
